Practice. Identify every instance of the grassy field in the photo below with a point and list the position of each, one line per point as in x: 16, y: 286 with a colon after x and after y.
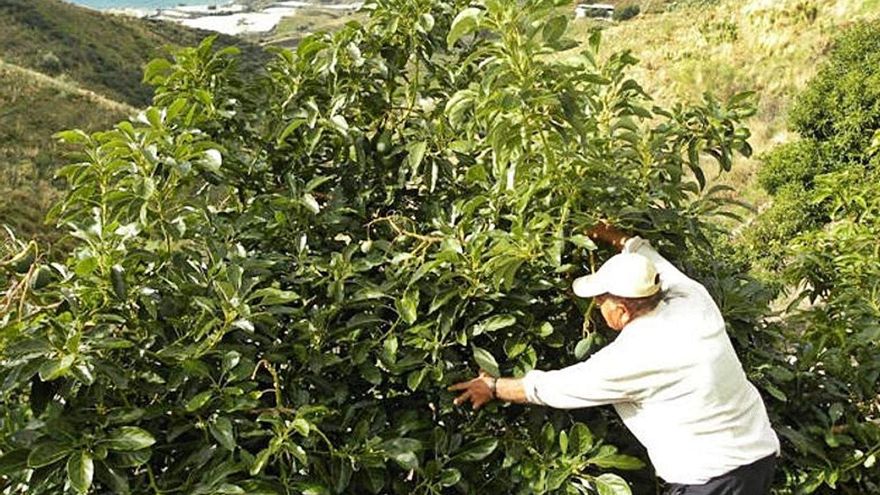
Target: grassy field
x: 34, y: 106
x: 772, y: 47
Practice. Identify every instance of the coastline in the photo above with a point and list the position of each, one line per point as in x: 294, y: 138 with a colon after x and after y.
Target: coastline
x: 233, y: 18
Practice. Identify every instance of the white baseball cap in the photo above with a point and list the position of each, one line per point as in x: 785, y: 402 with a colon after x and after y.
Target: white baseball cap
x: 623, y: 275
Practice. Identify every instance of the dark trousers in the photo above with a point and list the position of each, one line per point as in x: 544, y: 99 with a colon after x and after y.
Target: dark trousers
x: 751, y: 479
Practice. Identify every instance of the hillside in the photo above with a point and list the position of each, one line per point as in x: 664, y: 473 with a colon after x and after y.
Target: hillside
x: 772, y: 47
x: 32, y: 108
x: 63, y: 66
x: 102, y: 52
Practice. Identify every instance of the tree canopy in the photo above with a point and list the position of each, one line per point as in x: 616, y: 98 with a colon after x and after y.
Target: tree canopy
x: 277, y: 273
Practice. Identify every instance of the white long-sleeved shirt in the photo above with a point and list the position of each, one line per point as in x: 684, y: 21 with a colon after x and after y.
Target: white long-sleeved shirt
x: 675, y: 380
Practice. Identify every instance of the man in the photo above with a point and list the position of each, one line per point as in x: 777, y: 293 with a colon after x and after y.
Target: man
x: 671, y: 374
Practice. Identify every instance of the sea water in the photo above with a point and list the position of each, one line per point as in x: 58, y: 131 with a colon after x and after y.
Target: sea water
x: 144, y: 4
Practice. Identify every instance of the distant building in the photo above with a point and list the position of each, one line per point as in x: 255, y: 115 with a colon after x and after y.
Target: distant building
x: 594, y: 10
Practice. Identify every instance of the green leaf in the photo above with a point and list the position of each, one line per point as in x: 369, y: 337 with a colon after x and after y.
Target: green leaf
x: 56, y: 368
x: 157, y: 68
x: 416, y: 155
x: 486, y: 361
x: 403, y: 451
x: 117, y: 277
x: 129, y: 438
x: 478, y: 450
x: 302, y: 426
x: 545, y: 330
x: 13, y: 461
x: 775, y: 392
x: 47, y: 453
x: 271, y: 296
x: 73, y: 136
x: 426, y: 22
x: 221, y: 430
x: 415, y: 378
x: 464, y: 23
x: 555, y: 28
x: 340, y: 124
x: 389, y: 350
x: 311, y: 489
x: 289, y: 129
x: 450, y: 476
x: 260, y: 461
x: 496, y: 322
x: 611, y: 484
x: 80, y: 470
x: 580, y: 439
x: 407, y: 306
x: 618, y: 461
x: 244, y: 324
x: 513, y: 347
x: 198, y: 401
x: 583, y: 346
x: 583, y: 242
x: 370, y: 373
x: 228, y: 489
x: 211, y: 160
x: 563, y: 442
x: 802, y: 442
x: 230, y: 361
x: 310, y: 203
x: 835, y: 412
x: 458, y: 103
x: 115, y: 480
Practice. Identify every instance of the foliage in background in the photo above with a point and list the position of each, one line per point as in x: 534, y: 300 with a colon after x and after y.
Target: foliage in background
x: 626, y: 12
x: 276, y: 276
x: 729, y: 46
x: 821, y: 239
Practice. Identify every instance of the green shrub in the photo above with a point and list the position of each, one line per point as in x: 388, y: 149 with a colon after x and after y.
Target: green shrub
x: 841, y: 105
x: 276, y: 276
x: 797, y: 163
x: 773, y: 229
x: 819, y: 238
x: 626, y: 13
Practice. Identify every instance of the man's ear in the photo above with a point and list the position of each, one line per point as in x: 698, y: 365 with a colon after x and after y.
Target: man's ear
x: 625, y: 317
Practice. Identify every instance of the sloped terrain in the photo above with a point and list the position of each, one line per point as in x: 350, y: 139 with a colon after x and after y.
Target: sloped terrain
x: 772, y: 47
x: 103, y: 52
x: 32, y: 108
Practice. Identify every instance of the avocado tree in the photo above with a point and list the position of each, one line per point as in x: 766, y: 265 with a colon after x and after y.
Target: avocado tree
x: 276, y: 274
x: 819, y: 238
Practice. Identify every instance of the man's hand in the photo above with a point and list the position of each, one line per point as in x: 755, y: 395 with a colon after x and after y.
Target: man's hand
x: 478, y: 391
x: 609, y: 234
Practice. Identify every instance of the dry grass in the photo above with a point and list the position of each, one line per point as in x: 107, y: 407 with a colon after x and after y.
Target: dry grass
x: 32, y: 108
x: 772, y: 47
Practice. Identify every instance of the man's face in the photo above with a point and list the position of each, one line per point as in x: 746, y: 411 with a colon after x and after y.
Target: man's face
x: 615, y: 314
